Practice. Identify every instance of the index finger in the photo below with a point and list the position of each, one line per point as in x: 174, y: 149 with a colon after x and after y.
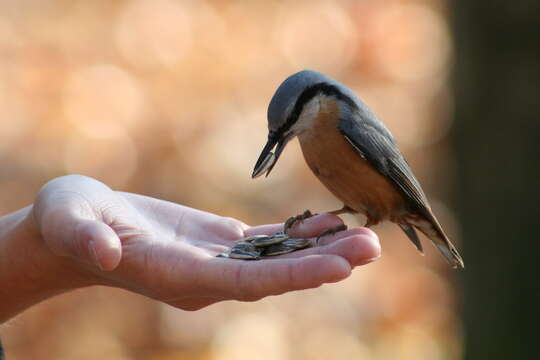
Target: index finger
x: 311, y: 227
x: 252, y: 280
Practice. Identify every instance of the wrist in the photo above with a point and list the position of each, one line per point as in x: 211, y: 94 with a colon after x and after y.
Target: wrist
x: 29, y: 271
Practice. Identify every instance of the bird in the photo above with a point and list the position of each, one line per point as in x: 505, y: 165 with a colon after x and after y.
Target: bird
x: 353, y: 154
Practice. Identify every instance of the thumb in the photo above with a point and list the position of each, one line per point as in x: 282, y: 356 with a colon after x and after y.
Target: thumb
x: 93, y: 241
x: 70, y: 227
x: 70, y: 234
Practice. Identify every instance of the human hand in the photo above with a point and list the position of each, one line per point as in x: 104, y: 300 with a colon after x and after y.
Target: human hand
x: 167, y: 251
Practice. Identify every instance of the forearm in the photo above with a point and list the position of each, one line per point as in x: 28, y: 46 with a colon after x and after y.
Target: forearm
x: 29, y: 272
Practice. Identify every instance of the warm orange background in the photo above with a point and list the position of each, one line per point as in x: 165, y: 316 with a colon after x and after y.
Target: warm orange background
x: 168, y: 99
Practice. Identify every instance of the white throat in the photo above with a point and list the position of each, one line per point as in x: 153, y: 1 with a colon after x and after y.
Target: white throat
x: 307, y: 116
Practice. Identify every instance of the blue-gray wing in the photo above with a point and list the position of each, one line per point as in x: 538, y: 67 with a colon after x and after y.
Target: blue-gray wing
x: 374, y: 143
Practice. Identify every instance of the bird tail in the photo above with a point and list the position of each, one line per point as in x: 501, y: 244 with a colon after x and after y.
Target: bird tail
x: 412, y: 235
x: 433, y: 230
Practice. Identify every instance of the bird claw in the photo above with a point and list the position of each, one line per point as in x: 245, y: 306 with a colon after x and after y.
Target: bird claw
x: 331, y: 231
x: 294, y: 219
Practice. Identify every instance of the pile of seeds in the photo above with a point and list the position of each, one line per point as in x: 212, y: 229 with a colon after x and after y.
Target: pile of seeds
x: 259, y: 246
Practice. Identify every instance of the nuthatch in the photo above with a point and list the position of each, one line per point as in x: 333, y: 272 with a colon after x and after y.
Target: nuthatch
x: 353, y: 154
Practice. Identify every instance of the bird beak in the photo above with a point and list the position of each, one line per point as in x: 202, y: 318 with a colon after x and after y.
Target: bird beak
x: 267, y: 159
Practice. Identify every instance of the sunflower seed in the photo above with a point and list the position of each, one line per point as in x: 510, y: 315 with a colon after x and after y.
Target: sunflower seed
x: 268, y: 161
x: 245, y: 246
x: 253, y: 238
x: 271, y: 240
x: 297, y: 244
x: 256, y: 246
x: 278, y: 249
x: 243, y: 255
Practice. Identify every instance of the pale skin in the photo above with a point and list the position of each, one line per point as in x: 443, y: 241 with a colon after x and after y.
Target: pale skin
x: 81, y: 233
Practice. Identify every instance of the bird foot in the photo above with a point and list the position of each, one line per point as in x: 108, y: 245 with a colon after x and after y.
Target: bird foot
x: 331, y: 231
x: 294, y: 219
x: 344, y: 210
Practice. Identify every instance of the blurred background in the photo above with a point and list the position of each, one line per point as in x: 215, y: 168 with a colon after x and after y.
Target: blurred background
x: 168, y: 99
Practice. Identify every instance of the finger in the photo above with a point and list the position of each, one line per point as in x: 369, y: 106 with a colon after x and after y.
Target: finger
x: 103, y: 244
x: 66, y: 212
x: 252, y: 280
x: 267, y: 229
x: 358, y: 246
x: 310, y: 227
x: 70, y: 234
x: 330, y: 238
x: 213, y: 249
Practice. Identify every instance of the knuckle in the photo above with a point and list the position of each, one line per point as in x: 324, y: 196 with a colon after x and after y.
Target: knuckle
x: 284, y: 281
x: 228, y: 227
x: 61, y: 180
x: 291, y: 274
x: 241, y: 283
x: 234, y: 224
x: 248, y: 286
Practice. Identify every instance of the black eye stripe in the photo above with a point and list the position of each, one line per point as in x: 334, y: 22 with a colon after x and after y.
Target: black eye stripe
x: 308, y: 94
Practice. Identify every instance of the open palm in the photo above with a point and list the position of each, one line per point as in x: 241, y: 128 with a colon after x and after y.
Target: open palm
x: 167, y: 251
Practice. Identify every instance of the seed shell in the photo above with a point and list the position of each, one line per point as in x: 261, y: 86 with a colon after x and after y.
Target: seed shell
x: 243, y: 255
x: 279, y: 249
x: 297, y: 244
x: 253, y: 238
x: 271, y: 240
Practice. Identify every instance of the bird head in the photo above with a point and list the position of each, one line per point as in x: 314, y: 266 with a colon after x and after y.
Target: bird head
x: 294, y: 106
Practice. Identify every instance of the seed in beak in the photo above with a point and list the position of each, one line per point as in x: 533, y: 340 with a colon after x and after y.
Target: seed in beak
x: 268, y: 161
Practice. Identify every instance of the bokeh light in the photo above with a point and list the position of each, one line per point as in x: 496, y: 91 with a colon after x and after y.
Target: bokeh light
x: 413, y: 41
x: 111, y: 159
x: 315, y: 35
x: 154, y: 33
x: 102, y: 100
x: 265, y: 335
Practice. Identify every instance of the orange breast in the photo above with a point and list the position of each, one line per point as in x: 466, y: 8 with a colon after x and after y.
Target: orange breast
x: 344, y: 172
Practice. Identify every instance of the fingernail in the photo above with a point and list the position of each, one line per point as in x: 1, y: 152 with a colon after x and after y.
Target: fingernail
x: 378, y: 250
x: 93, y: 254
x: 375, y: 258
